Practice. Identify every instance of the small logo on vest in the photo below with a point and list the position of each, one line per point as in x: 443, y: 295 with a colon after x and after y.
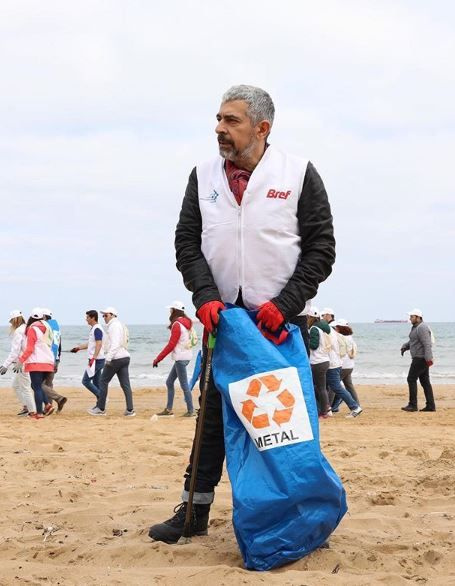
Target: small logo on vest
x: 275, y: 194
x: 212, y: 197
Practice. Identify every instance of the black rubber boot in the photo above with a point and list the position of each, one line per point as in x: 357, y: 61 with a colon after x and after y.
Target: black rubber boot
x: 171, y: 530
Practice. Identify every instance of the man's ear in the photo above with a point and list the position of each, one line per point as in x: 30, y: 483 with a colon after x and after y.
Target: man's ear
x: 263, y: 129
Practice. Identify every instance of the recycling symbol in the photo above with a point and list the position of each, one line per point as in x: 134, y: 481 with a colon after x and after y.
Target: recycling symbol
x: 267, y: 402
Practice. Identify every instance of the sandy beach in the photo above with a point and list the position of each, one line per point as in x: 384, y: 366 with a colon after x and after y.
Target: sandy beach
x: 79, y: 492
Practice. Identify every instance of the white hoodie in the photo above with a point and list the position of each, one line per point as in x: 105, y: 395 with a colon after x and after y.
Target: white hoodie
x: 18, y: 343
x: 115, y: 335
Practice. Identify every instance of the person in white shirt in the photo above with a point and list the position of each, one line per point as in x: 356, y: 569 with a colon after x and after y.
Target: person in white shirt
x: 345, y: 339
x: 92, y: 374
x: 21, y: 381
x: 117, y: 363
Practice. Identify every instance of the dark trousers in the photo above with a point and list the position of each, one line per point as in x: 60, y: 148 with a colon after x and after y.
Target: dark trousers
x: 117, y: 367
x: 48, y: 387
x: 420, y: 371
x: 319, y: 372
x: 212, y: 448
x: 36, y: 381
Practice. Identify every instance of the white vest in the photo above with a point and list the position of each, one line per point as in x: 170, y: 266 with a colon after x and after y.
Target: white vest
x: 182, y: 350
x: 91, y: 346
x: 320, y: 354
x: 256, y: 245
x: 334, y: 354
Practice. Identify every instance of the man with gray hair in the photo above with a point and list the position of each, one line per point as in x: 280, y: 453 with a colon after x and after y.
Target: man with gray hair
x: 255, y: 229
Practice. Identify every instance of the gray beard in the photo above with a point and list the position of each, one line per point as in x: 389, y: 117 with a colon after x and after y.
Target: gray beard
x: 234, y: 155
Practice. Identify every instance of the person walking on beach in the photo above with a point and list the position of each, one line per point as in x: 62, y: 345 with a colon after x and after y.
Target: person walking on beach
x: 181, y: 347
x: 38, y: 359
x: 349, y: 351
x: 48, y: 382
x: 117, y: 363
x: 320, y: 345
x: 21, y: 380
x: 422, y: 358
x: 92, y: 374
x: 255, y: 229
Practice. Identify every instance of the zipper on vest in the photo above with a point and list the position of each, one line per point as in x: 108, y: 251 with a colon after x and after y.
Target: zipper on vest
x: 240, y: 247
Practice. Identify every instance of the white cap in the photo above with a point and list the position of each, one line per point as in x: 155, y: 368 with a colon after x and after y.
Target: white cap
x: 328, y: 310
x: 176, y: 305
x: 15, y: 313
x: 110, y: 309
x: 37, y: 313
x: 47, y: 311
x: 313, y: 312
x: 417, y: 312
x: 340, y: 322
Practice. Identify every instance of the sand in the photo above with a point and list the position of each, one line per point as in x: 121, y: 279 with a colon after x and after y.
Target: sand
x: 79, y: 492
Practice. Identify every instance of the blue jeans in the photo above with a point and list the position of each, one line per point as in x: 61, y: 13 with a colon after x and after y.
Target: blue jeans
x: 179, y: 371
x: 92, y: 383
x: 36, y: 381
x: 333, y: 378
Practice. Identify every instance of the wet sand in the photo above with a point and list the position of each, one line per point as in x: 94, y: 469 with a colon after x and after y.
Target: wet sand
x: 79, y: 492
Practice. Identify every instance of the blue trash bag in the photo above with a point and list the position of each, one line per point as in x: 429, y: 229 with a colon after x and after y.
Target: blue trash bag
x: 287, y: 499
x: 197, y: 370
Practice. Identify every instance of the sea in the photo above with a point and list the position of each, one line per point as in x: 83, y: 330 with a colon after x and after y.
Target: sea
x: 378, y: 360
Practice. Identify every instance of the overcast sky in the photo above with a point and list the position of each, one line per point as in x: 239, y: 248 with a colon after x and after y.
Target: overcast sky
x: 105, y: 107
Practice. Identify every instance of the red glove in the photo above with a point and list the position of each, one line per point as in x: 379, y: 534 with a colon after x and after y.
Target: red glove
x: 270, y: 316
x: 208, y: 314
x: 429, y: 363
x: 277, y: 337
x: 90, y: 362
x: 155, y: 363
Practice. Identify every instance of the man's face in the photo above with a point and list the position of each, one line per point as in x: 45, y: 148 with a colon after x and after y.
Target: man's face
x: 237, y: 137
x: 328, y: 317
x: 90, y: 320
x: 107, y: 317
x: 414, y: 319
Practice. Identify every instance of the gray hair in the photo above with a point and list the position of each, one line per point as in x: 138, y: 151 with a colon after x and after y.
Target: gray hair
x: 260, y: 105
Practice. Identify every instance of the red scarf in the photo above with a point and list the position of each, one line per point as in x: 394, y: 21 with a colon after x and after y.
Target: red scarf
x: 237, y: 179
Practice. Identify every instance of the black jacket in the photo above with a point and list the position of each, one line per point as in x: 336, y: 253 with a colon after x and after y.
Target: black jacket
x: 313, y: 267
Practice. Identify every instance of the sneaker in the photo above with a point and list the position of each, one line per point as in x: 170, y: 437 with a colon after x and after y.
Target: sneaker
x: 36, y: 416
x: 171, y: 530
x: 96, y: 411
x: 23, y: 411
x: 189, y: 414
x: 165, y: 413
x: 327, y: 414
x: 429, y: 409
x: 48, y: 409
x: 131, y: 413
x: 409, y: 408
x: 61, y: 403
x: 355, y: 412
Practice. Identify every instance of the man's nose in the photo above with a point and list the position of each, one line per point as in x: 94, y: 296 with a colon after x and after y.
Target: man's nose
x: 220, y: 127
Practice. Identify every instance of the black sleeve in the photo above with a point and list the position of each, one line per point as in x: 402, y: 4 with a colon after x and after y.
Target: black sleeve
x: 317, y: 246
x: 196, y: 273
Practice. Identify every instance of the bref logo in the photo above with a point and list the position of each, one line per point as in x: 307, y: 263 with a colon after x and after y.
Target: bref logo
x: 276, y: 194
x: 272, y: 408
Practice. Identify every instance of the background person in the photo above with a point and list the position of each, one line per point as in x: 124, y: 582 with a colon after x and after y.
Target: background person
x: 349, y: 352
x: 38, y: 359
x: 422, y: 358
x: 95, y: 353
x: 48, y: 382
x: 117, y: 363
x: 180, y: 346
x: 21, y: 380
x: 319, y: 341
